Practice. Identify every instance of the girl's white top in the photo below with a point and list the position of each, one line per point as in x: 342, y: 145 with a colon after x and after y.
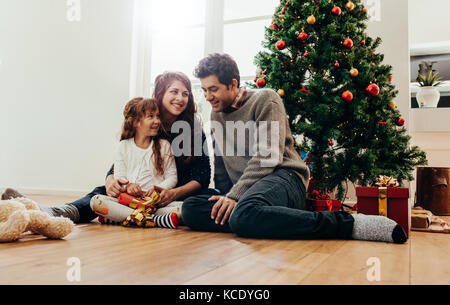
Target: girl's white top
x: 136, y: 165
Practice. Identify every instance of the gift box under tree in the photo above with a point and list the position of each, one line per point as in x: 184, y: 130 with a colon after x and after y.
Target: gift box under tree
x: 389, y: 201
x: 319, y: 202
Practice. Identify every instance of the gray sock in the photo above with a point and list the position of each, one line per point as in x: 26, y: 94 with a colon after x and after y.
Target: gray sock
x: 377, y: 228
x: 67, y: 210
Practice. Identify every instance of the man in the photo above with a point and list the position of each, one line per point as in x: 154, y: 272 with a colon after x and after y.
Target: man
x: 264, y: 196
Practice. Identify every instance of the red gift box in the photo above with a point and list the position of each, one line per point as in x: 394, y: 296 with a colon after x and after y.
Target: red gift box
x: 323, y: 205
x: 371, y: 202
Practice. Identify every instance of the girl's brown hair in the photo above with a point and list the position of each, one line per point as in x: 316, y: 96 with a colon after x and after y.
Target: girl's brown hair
x: 162, y: 83
x: 134, y: 111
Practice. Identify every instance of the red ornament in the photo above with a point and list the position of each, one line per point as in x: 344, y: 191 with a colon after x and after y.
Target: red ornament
x: 336, y: 64
x: 305, y: 90
x: 363, y: 42
x: 264, y: 72
x: 255, y: 79
x: 331, y: 142
x: 336, y: 10
x: 347, y: 96
x: 365, y: 10
x: 390, y: 78
x: 302, y: 36
x: 286, y: 4
x: 273, y: 26
x: 261, y: 82
x: 373, y: 89
x: 348, y: 43
x: 283, y: 11
x: 280, y: 45
x: 306, y: 54
x: 382, y: 123
x: 400, y: 121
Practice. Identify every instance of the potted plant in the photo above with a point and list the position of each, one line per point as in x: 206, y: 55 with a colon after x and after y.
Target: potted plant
x: 429, y: 95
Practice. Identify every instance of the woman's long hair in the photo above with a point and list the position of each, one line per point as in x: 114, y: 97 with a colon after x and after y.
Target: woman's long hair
x: 162, y: 83
x: 134, y: 111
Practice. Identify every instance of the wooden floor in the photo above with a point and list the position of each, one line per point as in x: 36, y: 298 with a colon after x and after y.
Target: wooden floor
x: 116, y: 255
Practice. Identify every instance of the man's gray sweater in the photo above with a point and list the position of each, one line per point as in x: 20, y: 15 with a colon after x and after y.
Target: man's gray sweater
x: 239, y: 160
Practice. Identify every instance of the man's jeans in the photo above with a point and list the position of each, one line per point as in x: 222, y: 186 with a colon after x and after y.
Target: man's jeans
x: 271, y: 208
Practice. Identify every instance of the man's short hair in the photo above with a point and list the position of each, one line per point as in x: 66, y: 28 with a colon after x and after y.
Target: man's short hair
x: 221, y: 65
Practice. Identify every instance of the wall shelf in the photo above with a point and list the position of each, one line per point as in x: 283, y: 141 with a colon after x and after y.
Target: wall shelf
x: 429, y: 120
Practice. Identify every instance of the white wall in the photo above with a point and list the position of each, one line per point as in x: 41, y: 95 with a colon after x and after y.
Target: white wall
x: 429, y: 21
x: 62, y: 89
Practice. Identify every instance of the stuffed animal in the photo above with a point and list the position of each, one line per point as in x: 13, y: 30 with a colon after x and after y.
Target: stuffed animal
x: 20, y: 215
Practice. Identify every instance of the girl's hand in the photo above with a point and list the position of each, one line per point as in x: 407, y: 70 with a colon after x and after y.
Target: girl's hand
x: 134, y: 189
x: 167, y: 196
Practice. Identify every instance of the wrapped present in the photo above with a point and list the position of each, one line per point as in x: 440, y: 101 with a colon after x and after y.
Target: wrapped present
x: 148, y: 203
x: 319, y: 202
x: 323, y: 205
x: 145, y: 207
x: 386, y: 200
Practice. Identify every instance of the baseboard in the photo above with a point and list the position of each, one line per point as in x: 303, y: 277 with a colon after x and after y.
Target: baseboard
x: 42, y: 191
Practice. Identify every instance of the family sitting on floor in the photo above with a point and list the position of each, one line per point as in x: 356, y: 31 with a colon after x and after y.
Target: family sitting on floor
x: 260, y: 183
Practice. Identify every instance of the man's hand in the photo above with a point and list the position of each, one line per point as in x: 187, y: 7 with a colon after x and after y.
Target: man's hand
x: 114, y: 186
x: 222, y: 208
x: 134, y: 190
x: 167, y: 196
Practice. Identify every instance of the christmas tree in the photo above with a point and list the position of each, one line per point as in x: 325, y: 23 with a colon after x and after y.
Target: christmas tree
x: 338, y: 95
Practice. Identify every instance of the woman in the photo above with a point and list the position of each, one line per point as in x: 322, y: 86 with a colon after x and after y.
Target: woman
x: 173, y: 92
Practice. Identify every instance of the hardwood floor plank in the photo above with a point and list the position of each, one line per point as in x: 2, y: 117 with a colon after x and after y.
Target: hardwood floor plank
x: 348, y: 265
x: 430, y: 263
x: 278, y: 262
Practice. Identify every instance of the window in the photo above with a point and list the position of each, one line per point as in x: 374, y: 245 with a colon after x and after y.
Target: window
x: 178, y: 31
x: 184, y: 31
x: 244, y: 28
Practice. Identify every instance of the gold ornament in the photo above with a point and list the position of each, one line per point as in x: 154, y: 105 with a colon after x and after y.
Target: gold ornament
x: 354, y: 72
x: 311, y: 19
x: 392, y: 105
x: 280, y: 92
x: 350, y: 6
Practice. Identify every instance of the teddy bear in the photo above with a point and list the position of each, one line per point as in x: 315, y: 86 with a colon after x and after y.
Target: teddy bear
x: 19, y: 215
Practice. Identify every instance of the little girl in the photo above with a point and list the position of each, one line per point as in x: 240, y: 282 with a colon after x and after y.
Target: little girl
x: 143, y: 159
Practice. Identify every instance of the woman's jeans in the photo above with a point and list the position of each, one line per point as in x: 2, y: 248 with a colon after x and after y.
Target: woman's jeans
x: 271, y: 208
x: 84, y: 207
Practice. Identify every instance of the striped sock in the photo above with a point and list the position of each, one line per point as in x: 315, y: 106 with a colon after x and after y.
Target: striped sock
x: 166, y: 221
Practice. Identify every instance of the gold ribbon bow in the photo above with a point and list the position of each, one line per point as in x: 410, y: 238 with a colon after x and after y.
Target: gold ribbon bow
x: 143, y: 215
x: 385, y: 181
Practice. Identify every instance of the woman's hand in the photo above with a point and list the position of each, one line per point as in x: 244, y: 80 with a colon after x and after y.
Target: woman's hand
x: 134, y: 190
x: 167, y: 196
x: 115, y: 186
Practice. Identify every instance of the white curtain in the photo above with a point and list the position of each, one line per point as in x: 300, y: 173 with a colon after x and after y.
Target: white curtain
x: 140, y: 72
